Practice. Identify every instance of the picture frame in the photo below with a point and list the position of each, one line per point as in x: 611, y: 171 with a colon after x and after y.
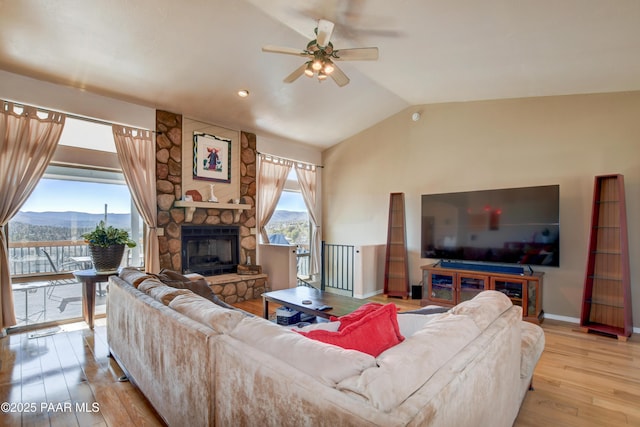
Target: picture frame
x: 211, y: 158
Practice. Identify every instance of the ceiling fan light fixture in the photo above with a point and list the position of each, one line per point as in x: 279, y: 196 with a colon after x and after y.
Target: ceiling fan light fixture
x: 309, y: 70
x: 328, y: 67
x: 319, y: 55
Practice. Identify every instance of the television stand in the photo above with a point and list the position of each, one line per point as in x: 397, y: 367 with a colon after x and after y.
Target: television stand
x: 448, y: 285
x: 489, y: 268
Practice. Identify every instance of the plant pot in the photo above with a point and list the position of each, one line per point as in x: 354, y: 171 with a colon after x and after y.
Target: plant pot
x: 106, y: 259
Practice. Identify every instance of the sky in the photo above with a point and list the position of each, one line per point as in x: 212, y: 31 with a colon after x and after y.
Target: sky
x: 290, y: 201
x: 54, y: 195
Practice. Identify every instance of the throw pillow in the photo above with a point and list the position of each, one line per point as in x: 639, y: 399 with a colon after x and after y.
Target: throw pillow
x: 372, y: 334
x: 356, y: 315
x: 199, y: 286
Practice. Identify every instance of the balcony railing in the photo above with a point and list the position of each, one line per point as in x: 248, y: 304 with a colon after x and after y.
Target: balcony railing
x: 337, y: 263
x: 28, y: 258
x: 45, y: 290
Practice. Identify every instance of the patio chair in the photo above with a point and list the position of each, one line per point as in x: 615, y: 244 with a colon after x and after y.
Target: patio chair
x: 54, y: 283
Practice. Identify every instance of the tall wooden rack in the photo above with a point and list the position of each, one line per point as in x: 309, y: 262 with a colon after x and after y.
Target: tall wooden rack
x: 606, y: 302
x: 396, y: 270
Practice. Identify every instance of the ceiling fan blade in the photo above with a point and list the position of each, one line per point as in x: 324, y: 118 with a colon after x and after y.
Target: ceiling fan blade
x: 297, y: 73
x: 285, y: 50
x: 325, y: 29
x: 339, y: 76
x: 357, y: 54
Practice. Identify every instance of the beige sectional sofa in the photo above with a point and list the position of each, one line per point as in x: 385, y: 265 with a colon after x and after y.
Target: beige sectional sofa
x: 201, y: 364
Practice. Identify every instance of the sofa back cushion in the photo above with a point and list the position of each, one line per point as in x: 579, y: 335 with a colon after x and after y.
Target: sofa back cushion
x: 410, y: 323
x: 327, y: 363
x: 161, y: 292
x: 204, y: 311
x: 133, y: 276
x: 403, y: 369
x: 484, y: 308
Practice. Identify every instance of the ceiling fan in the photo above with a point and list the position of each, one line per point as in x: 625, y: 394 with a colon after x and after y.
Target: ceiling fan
x: 322, y: 56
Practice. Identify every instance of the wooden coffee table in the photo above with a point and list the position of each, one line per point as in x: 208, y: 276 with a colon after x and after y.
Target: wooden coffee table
x: 293, y: 298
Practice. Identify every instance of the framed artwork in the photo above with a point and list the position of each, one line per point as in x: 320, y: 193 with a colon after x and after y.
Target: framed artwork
x: 211, y: 157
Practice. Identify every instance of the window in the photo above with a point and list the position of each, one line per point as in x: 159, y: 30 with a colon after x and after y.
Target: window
x: 66, y: 203
x: 81, y: 187
x: 290, y: 223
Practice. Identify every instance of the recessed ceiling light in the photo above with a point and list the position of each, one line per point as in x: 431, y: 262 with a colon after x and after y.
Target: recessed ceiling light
x: 243, y: 93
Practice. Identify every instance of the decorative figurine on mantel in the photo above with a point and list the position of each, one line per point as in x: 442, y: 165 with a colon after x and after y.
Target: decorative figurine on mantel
x: 195, y: 196
x: 213, y: 197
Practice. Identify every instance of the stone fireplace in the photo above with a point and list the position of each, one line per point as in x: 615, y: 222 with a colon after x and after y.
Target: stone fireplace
x: 172, y: 219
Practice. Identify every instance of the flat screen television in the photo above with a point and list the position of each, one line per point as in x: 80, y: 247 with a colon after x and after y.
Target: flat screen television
x: 511, y: 226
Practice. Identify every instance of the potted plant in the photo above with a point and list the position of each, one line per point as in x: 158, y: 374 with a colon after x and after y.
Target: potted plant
x: 106, y: 246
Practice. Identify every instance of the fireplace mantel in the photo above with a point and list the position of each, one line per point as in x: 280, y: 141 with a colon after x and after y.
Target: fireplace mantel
x: 210, y: 205
x: 191, y: 207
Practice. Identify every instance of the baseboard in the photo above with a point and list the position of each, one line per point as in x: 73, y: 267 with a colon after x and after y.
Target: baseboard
x: 369, y: 294
x: 562, y: 318
x: 574, y: 320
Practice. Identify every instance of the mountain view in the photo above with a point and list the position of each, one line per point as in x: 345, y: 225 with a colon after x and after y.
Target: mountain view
x: 51, y: 226
x: 289, y: 226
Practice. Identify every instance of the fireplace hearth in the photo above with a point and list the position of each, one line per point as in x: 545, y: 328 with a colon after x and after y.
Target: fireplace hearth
x: 210, y: 250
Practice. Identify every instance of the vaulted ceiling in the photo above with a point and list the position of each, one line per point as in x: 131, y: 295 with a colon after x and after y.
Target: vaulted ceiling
x: 192, y: 56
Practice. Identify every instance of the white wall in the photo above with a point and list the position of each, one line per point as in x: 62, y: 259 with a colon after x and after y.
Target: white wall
x: 38, y: 93
x: 564, y: 140
x: 289, y: 150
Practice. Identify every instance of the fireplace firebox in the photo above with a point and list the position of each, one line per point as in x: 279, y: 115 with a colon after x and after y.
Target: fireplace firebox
x: 210, y: 249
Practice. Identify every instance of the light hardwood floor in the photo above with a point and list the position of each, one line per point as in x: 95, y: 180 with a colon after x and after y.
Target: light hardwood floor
x: 581, y: 380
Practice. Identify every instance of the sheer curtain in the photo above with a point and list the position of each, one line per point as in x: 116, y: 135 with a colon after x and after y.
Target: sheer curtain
x: 272, y: 175
x: 137, y: 154
x: 307, y: 178
x: 28, y: 140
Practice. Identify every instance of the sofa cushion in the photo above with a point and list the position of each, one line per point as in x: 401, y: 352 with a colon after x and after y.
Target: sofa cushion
x: 484, y: 308
x: 406, y: 367
x: 150, y: 283
x: 161, y: 292
x: 532, y: 347
x: 133, y: 276
x: 324, y: 326
x: 204, y: 311
x: 410, y: 323
x: 426, y: 310
x: 373, y: 333
x: 328, y: 364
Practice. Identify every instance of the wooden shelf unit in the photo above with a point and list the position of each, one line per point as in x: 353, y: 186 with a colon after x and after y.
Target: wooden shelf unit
x: 606, y: 301
x: 396, y: 270
x: 451, y: 286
